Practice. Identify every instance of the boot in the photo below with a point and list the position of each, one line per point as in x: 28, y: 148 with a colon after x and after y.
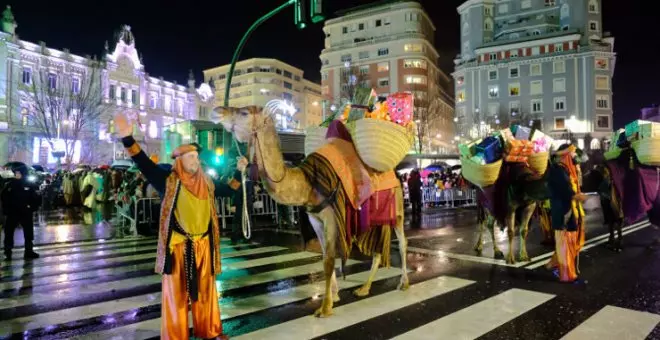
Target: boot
x: 29, y: 255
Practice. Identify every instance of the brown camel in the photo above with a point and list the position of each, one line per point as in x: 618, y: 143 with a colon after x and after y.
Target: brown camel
x: 290, y: 186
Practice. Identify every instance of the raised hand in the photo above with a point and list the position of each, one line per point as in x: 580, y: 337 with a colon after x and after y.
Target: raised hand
x: 122, y: 125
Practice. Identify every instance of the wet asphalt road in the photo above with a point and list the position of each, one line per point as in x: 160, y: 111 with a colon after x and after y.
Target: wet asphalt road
x: 102, y: 289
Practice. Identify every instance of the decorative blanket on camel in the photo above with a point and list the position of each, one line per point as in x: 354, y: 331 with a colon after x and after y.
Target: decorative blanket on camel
x: 638, y: 187
x: 363, y: 198
x: 515, y: 182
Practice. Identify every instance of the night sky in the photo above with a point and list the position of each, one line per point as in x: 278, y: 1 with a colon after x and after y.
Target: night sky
x: 175, y: 36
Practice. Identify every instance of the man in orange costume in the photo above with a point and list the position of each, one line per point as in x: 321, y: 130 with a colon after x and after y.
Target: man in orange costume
x: 188, y: 254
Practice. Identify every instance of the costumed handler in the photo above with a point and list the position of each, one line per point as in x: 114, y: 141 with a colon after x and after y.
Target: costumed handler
x: 188, y: 252
x: 567, y: 213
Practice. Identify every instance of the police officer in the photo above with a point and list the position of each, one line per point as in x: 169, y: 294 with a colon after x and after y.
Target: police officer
x: 20, y: 200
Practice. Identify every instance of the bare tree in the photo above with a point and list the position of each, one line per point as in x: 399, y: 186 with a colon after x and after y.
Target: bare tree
x: 352, y: 82
x: 64, y: 105
x: 427, y: 114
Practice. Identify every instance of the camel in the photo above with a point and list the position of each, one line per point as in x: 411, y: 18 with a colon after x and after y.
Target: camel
x: 291, y: 187
x: 520, y: 209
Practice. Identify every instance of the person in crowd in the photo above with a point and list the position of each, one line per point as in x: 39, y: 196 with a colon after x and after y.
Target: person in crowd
x: 415, y: 193
x: 19, y: 202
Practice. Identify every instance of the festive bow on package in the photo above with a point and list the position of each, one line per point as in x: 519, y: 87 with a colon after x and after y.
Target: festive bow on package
x: 400, y: 106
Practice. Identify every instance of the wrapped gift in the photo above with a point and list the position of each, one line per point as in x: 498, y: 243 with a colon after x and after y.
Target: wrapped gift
x: 515, y: 159
x: 514, y: 129
x: 648, y: 131
x: 632, y: 128
x: 469, y: 149
x: 400, y: 107
x: 517, y: 147
x: 479, y: 159
x: 506, y: 135
x: 542, y: 145
x: 523, y: 133
x: 491, y: 149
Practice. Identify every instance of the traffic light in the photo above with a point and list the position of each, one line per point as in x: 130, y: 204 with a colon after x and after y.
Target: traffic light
x: 218, y: 159
x: 300, y: 17
x: 316, y: 11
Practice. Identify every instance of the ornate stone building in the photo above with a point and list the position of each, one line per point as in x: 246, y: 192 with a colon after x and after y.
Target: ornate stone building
x: 123, y: 85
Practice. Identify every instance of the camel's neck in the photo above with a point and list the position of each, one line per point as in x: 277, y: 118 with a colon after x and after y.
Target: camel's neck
x: 268, y: 153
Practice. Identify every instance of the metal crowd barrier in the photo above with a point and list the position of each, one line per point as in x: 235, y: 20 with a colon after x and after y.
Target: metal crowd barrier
x: 137, y: 211
x: 263, y: 205
x: 454, y: 197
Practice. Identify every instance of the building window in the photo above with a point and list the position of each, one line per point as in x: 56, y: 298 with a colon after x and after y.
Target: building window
x: 386, y: 21
x: 413, y: 48
x: 344, y: 30
x: 559, y: 85
x: 52, y: 81
x: 134, y: 97
x: 167, y: 106
x: 514, y: 72
x: 346, y: 58
x: 493, y: 56
x: 360, y: 27
x: 288, y: 74
x: 550, y: 3
x: 287, y: 85
x: 525, y: 4
x: 364, y: 55
x: 287, y: 96
x: 559, y: 47
x: 153, y: 102
x: 560, y: 104
x: 324, y: 75
x: 535, y: 70
x: 602, y: 64
x: 536, y: 87
x: 382, y: 82
x: 536, y: 50
x: 27, y: 75
x: 503, y: 8
x: 593, y: 6
x: 488, y: 11
x: 560, y: 123
x: 602, y: 82
x: 593, y: 26
x: 514, y: 90
x: 415, y: 79
x: 383, y: 51
x: 492, y: 74
x: 460, y: 80
x: 75, y: 85
x: 514, y: 108
x: 383, y: 67
x: 602, y: 101
x: 493, y: 91
x: 379, y: 23
x: 122, y: 92
x: 559, y: 67
x: 488, y: 24
x: 603, y: 122
x: 414, y: 63
x: 513, y: 53
x: 537, y: 105
x: 460, y: 96
x: 493, y: 109
x: 364, y: 69
x: 112, y: 92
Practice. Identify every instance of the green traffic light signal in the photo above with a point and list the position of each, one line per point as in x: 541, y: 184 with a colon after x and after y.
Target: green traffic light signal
x: 316, y: 11
x: 300, y: 17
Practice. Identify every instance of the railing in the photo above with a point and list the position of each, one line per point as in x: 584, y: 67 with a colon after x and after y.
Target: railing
x: 137, y: 211
x: 263, y: 205
x: 454, y: 198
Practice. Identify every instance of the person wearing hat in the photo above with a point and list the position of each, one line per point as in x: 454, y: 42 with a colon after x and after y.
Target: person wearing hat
x: 188, y: 250
x: 20, y: 200
x: 567, y: 215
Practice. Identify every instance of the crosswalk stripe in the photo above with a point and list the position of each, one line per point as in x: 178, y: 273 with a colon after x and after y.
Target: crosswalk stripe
x: 615, y: 323
x: 97, y: 242
x: 81, y: 264
x: 236, y: 308
x: 72, y: 314
x: 480, y: 318
x: 79, y: 257
x: 353, y: 313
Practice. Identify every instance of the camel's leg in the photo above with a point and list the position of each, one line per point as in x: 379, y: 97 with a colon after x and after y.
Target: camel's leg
x: 330, y: 233
x: 511, y: 232
x: 479, y: 246
x: 524, y: 229
x: 403, y: 242
x: 490, y: 224
x: 366, y: 287
x: 317, y: 225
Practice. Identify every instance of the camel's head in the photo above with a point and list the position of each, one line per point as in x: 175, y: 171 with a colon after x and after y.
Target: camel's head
x: 241, y: 122
x: 246, y: 121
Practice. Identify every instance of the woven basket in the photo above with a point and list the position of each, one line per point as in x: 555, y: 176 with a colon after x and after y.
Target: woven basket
x: 648, y: 151
x: 314, y: 138
x: 481, y: 175
x: 612, y: 153
x: 382, y: 145
x: 539, y: 162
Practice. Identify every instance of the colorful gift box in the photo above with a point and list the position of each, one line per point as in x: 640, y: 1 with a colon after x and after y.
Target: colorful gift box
x: 523, y: 133
x: 514, y: 129
x: 506, y: 135
x: 401, y: 106
x: 519, y: 147
x: 632, y: 128
x: 491, y: 149
x: 649, y: 131
x: 469, y: 149
x: 515, y: 159
x: 479, y: 159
